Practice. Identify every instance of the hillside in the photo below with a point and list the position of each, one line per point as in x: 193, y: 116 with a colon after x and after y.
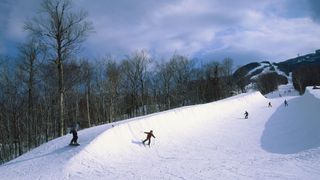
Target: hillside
x: 290, y: 64
x: 196, y: 142
x: 249, y: 73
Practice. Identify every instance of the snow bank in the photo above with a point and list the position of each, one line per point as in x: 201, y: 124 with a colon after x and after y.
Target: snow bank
x: 172, y: 128
x: 295, y: 128
x: 180, y: 121
x: 314, y: 92
x: 48, y: 161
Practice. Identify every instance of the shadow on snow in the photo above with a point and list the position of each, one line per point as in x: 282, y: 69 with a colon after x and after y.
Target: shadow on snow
x: 58, y: 151
x: 294, y: 128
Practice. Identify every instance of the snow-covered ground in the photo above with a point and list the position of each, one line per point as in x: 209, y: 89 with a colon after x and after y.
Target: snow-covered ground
x: 283, y: 90
x: 209, y: 141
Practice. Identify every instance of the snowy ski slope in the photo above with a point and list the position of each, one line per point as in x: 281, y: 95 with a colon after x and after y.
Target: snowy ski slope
x: 209, y: 141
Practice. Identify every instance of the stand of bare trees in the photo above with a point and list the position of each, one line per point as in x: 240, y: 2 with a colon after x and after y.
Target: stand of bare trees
x: 306, y: 75
x: 269, y: 82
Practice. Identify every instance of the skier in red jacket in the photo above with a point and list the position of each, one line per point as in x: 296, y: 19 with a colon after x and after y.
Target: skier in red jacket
x: 149, y: 135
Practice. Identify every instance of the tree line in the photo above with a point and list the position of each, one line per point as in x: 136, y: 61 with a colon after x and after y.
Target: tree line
x: 306, y: 75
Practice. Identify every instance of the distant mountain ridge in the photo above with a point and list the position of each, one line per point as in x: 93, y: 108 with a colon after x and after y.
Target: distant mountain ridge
x: 248, y: 73
x: 290, y: 64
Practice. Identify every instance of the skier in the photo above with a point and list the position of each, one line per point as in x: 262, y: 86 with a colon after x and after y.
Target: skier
x: 74, y: 133
x: 285, y: 103
x: 269, y: 105
x: 246, y: 114
x: 149, y: 135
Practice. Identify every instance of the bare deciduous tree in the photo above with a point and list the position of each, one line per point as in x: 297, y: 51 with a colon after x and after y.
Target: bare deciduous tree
x: 134, y: 73
x: 183, y: 68
x: 87, y: 77
x: 32, y: 53
x: 62, y: 30
x: 113, y: 74
x: 166, y: 72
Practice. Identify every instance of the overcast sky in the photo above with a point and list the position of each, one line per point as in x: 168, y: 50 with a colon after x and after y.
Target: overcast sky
x: 244, y: 30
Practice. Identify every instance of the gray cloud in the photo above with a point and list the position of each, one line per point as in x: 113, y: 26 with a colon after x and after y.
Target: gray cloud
x: 184, y: 26
x: 314, y: 6
x: 5, y: 7
x: 244, y: 30
x: 301, y: 8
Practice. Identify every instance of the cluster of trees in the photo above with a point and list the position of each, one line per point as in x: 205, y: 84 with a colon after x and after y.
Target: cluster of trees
x: 269, y: 82
x: 306, y: 75
x: 47, y: 88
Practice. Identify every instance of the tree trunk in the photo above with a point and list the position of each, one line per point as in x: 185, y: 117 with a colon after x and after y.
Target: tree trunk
x: 142, y: 97
x: 111, y: 110
x: 77, y: 108
x: 88, y: 105
x: 61, y: 99
x: 30, y: 104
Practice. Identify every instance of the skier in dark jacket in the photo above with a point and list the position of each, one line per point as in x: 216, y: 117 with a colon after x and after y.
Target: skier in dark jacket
x: 246, y: 114
x: 285, y: 102
x: 269, y: 105
x: 149, y: 135
x: 74, y: 133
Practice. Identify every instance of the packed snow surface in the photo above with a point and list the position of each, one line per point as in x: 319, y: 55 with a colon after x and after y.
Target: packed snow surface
x: 209, y: 141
